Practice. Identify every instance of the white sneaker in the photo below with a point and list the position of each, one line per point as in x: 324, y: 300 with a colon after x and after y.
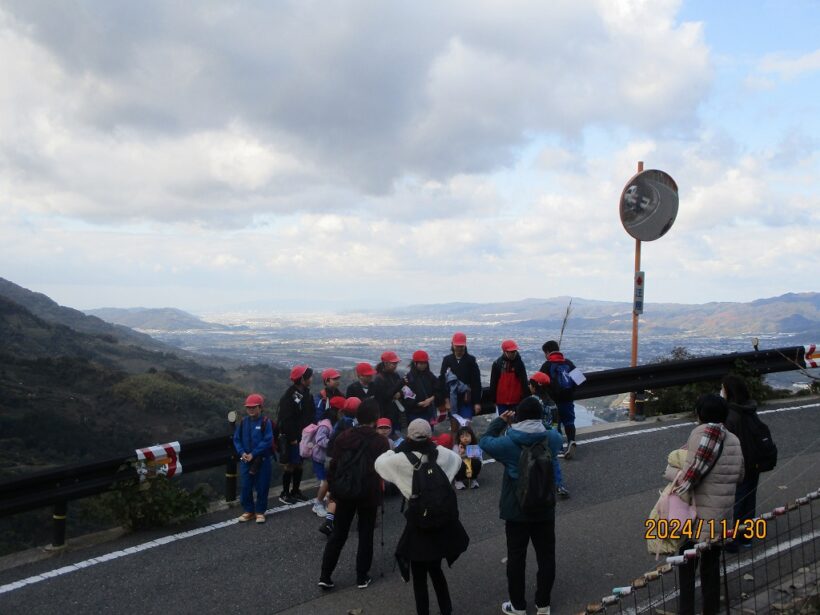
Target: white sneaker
x: 459, y: 485
x: 543, y: 610
x: 474, y: 484
x: 319, y: 509
x: 507, y: 607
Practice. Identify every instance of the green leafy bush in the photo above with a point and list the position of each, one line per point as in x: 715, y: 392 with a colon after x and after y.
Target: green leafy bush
x: 154, y: 503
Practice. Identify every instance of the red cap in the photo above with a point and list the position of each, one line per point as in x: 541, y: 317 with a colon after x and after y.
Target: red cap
x: 384, y: 423
x: 337, y: 402
x: 330, y: 373
x: 365, y: 369
x: 297, y: 372
x: 421, y: 356
x: 459, y: 339
x: 509, y: 346
x: 254, y: 399
x: 352, y: 404
x: 390, y: 357
x: 445, y: 440
x: 540, y: 378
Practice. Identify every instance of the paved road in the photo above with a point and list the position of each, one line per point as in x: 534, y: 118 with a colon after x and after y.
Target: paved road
x: 273, y: 568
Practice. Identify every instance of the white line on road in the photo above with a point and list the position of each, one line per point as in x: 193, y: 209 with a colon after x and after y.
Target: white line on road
x: 9, y: 587
x: 136, y: 549
x: 640, y: 432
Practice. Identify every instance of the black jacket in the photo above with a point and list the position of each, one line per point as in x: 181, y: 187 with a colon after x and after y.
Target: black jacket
x: 738, y: 415
x: 499, y: 365
x: 357, y: 390
x: 296, y: 411
x: 351, y: 440
x: 423, y: 384
x: 384, y: 388
x: 467, y: 371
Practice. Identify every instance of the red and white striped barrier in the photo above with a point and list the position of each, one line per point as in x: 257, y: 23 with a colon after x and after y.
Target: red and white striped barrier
x: 159, y: 460
x: 811, y: 356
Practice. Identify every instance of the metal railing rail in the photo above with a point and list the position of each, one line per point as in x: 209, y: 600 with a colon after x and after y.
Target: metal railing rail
x: 59, y: 486
x: 674, y: 373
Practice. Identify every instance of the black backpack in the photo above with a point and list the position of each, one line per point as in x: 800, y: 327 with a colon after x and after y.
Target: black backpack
x: 759, y: 450
x: 350, y: 479
x: 433, y: 503
x: 535, y: 489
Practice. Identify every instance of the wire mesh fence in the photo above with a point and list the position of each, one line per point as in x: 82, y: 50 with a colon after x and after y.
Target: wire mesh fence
x: 766, y: 565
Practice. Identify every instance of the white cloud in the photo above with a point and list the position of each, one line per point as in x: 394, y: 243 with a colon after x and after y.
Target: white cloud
x: 788, y: 68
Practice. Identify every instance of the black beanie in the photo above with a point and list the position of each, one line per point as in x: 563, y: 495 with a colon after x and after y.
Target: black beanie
x: 529, y: 409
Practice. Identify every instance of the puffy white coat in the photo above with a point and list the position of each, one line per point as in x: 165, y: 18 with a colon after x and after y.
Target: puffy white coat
x: 396, y: 468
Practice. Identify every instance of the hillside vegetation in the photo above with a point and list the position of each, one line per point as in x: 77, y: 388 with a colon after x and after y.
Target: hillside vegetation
x: 69, y: 396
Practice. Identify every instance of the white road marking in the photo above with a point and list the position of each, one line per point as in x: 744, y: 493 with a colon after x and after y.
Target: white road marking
x: 640, y: 432
x: 136, y: 549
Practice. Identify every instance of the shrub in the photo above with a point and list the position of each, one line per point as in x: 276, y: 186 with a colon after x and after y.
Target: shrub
x: 154, y: 503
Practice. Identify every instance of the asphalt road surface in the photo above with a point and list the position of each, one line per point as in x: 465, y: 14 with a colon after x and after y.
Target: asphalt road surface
x: 215, y: 565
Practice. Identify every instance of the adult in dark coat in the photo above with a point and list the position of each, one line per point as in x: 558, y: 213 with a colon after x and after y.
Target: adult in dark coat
x: 742, y: 410
x: 364, y: 436
x: 424, y: 548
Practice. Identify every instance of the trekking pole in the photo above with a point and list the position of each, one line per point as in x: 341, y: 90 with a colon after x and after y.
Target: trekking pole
x: 382, y: 528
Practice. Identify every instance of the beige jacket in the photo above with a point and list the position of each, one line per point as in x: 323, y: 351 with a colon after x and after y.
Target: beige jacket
x: 715, y: 495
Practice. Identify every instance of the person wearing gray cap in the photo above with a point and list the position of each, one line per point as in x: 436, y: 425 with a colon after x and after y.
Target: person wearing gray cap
x: 411, y: 467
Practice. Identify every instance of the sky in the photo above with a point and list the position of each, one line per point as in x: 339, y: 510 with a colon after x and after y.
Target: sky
x: 321, y: 156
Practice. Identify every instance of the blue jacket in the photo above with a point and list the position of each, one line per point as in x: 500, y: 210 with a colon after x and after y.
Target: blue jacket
x: 254, y: 436
x: 506, y: 449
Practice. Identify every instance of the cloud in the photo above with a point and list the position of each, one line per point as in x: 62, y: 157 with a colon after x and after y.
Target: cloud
x: 788, y: 68
x: 231, y: 111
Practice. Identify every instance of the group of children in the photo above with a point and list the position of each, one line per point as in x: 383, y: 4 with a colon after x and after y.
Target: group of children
x: 307, y: 423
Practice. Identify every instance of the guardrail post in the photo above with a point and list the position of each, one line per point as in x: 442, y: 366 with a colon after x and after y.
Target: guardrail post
x: 59, y: 516
x: 230, y: 479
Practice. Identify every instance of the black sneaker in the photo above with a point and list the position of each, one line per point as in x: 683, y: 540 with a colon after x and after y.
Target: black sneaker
x: 286, y: 498
x: 297, y: 496
x: 326, y: 584
x: 363, y: 583
x: 562, y: 491
x: 326, y: 528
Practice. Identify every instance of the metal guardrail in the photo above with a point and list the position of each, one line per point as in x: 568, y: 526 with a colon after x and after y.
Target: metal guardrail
x: 57, y: 487
x: 674, y: 373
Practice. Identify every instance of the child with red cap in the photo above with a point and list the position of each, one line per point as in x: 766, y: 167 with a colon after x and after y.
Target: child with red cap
x: 508, y: 378
x: 387, y: 388
x: 347, y: 420
x: 330, y: 388
x: 296, y: 411
x: 362, y: 388
x: 460, y: 379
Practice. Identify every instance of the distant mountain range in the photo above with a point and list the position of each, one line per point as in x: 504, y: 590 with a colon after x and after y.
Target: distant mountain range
x: 154, y: 319
x: 789, y: 313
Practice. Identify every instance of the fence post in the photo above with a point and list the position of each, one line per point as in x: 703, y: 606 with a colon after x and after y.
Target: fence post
x: 230, y: 479
x: 59, y: 516
x: 230, y: 466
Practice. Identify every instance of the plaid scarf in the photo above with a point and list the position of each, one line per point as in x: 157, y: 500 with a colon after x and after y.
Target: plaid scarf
x: 705, y: 457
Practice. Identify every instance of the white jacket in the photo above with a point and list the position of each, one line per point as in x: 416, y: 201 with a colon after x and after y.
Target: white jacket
x: 396, y: 468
